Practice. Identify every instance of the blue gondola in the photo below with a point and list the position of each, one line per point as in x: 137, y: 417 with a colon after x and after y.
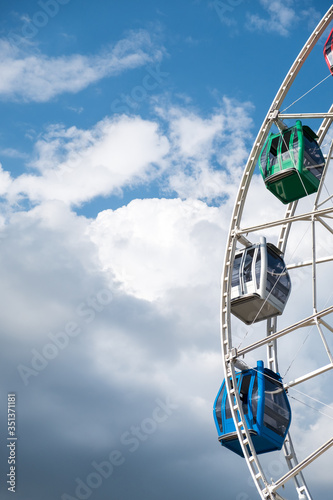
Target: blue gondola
x: 260, y: 283
x: 266, y: 409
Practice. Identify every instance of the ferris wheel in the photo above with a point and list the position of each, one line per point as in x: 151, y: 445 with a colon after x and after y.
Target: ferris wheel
x: 277, y: 297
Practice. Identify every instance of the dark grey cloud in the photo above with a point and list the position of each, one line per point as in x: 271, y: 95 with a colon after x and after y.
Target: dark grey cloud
x: 74, y: 415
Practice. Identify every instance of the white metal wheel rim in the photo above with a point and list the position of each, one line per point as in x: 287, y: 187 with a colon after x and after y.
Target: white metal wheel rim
x: 229, y: 353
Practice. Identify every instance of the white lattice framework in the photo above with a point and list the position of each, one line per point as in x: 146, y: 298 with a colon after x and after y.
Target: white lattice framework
x: 322, y: 215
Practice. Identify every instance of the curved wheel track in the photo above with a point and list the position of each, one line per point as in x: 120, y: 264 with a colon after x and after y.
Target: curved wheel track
x: 232, y: 358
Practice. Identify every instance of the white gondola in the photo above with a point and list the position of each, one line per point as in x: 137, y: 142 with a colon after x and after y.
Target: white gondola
x: 260, y: 283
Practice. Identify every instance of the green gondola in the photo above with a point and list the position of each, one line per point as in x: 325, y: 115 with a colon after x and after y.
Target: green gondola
x: 291, y: 163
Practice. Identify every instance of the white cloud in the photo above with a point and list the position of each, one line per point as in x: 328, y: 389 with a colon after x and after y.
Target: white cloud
x: 40, y: 276
x: 202, y: 182
x: 5, y: 181
x: 13, y: 153
x: 191, y: 156
x: 77, y: 165
x: 208, y: 153
x: 196, y: 137
x: 155, y: 245
x: 39, y: 78
x: 191, y: 134
x: 282, y: 17
x: 132, y: 349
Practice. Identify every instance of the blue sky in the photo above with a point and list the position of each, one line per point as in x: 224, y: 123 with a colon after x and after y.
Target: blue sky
x: 125, y: 129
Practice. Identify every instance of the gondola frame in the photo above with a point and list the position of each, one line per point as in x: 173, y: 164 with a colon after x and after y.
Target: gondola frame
x: 285, y: 174
x: 264, y: 439
x: 250, y: 300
